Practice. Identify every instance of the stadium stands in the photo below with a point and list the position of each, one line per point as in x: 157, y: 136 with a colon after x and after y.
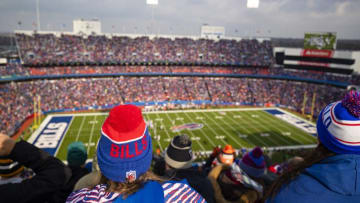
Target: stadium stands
x: 252, y: 58
x: 16, y: 99
x: 48, y: 49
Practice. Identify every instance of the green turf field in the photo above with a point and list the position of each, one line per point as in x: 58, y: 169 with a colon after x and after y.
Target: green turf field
x: 242, y: 128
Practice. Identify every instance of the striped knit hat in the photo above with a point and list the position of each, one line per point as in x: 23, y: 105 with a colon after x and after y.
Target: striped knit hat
x: 253, y: 163
x: 124, y: 151
x: 9, y: 168
x: 338, y: 125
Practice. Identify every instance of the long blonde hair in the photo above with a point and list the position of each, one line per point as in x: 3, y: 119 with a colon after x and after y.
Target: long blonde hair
x: 312, y: 157
x: 127, y: 188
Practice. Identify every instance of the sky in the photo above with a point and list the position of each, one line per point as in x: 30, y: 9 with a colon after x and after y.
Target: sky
x: 273, y: 18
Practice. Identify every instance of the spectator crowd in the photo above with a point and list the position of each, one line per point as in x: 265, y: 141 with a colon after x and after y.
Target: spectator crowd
x: 16, y: 98
x: 19, y: 70
x: 47, y: 48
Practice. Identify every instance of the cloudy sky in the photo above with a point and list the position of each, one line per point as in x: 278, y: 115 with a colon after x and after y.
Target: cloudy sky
x: 274, y: 18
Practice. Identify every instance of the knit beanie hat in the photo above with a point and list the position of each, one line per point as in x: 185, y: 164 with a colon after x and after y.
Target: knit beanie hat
x: 253, y: 163
x: 179, y: 154
x: 124, y: 150
x: 9, y: 168
x: 338, y: 125
x: 76, y: 154
x: 226, y: 155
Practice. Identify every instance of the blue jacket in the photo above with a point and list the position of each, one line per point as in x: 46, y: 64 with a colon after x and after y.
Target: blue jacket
x: 334, y: 179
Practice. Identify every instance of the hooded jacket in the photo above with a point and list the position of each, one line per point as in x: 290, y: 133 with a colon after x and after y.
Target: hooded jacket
x: 334, y: 179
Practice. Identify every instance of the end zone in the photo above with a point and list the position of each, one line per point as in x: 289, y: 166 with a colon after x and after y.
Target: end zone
x: 50, y: 134
x: 294, y: 120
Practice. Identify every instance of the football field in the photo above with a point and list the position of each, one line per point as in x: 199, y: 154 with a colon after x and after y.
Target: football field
x: 242, y: 128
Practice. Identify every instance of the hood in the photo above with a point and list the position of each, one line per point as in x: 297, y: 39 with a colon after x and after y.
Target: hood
x: 339, y: 173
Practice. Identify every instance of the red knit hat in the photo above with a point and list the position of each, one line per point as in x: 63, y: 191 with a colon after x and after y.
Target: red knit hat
x: 124, y: 151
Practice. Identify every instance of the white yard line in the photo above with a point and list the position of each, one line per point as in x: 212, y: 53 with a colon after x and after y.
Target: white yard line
x: 147, y: 117
x: 206, y: 136
x: 202, y: 147
x: 167, y: 133
x: 276, y: 135
x: 91, y: 135
x: 229, y: 135
x: 285, y: 112
x: 268, y: 138
x: 63, y: 137
x: 257, y: 138
x: 299, y: 135
x: 80, y: 128
x: 279, y: 128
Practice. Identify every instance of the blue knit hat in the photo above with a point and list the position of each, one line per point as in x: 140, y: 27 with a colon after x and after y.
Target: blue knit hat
x: 338, y: 125
x: 124, y: 151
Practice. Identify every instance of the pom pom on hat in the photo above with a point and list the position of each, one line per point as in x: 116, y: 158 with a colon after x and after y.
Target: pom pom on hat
x: 338, y: 125
x: 253, y: 163
x: 352, y: 103
x: 124, y: 151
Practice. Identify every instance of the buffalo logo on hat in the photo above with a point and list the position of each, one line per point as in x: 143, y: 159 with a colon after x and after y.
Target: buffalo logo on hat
x: 131, y: 176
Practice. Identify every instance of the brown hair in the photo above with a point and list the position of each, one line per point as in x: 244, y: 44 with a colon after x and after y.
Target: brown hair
x: 314, y: 156
x: 127, y: 188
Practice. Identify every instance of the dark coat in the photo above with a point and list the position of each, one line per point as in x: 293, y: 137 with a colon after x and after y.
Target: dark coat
x: 51, y: 175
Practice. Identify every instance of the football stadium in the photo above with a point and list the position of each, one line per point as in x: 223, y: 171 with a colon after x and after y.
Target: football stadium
x: 183, y: 102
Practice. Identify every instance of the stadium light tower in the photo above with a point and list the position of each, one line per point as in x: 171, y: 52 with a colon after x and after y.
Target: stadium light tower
x: 38, y: 15
x: 253, y: 3
x: 152, y: 4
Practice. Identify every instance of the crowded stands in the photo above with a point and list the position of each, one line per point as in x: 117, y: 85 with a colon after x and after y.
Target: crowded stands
x: 49, y: 49
x: 251, y: 57
x: 17, y: 97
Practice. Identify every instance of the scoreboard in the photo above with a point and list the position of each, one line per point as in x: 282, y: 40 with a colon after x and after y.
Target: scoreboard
x: 318, y: 54
x: 320, y: 41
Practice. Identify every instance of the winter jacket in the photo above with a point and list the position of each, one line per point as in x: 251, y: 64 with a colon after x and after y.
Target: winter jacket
x: 151, y: 192
x: 77, y: 173
x: 334, y: 179
x: 196, y: 180
x: 51, y: 175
